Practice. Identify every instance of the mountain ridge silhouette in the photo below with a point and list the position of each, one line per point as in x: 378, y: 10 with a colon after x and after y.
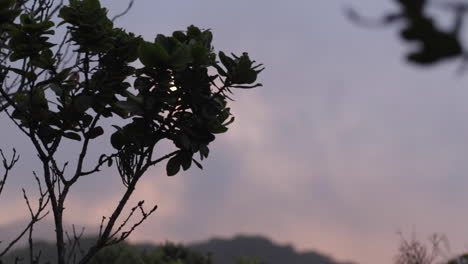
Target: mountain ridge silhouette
x: 222, y: 251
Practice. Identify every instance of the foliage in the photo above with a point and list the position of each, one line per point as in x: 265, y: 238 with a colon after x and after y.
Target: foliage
x: 248, y: 261
x: 166, y: 254
x: 434, y: 43
x: 172, y: 88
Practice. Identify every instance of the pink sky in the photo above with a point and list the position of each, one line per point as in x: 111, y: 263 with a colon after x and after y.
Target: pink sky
x: 344, y: 146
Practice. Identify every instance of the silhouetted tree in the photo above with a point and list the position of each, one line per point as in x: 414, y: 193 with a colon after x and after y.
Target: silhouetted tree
x: 59, y: 82
x: 414, y: 251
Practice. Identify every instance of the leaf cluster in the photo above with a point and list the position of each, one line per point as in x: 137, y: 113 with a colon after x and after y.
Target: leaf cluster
x: 7, y: 13
x: 29, y: 39
x: 173, y: 95
x: 434, y: 43
x: 89, y: 25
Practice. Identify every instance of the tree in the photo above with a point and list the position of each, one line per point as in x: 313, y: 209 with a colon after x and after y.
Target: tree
x: 166, y: 254
x: 414, y: 251
x: 65, y: 68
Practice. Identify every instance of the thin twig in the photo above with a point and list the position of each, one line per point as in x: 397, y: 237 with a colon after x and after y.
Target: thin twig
x: 130, y: 4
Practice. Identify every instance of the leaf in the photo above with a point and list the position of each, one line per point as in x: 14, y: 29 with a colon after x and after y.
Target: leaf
x: 143, y: 83
x: 204, y: 151
x: 38, y: 98
x: 95, y: 132
x: 193, y: 32
x: 56, y: 89
x: 181, y: 57
x: 153, y: 54
x: 31, y: 76
x: 220, y: 70
x: 186, y: 160
x: 197, y: 164
x: 129, y: 107
x: 87, y: 119
x: 136, y: 98
x: 218, y: 129
x: 61, y: 76
x: 247, y: 86
x: 226, y: 61
x: 179, y: 35
x: 7, y: 16
x: 47, y: 134
x: 26, y: 19
x: 91, y: 4
x: 72, y: 135
x: 117, y: 140
x: 207, y: 38
x: 200, y: 54
x: 244, y: 70
x: 229, y: 122
x: 162, y: 40
x: 81, y: 103
x: 185, y: 141
x: 173, y: 166
x: 7, y: 3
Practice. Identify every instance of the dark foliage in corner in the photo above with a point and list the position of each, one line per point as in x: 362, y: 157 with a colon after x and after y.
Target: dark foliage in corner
x: 434, y: 43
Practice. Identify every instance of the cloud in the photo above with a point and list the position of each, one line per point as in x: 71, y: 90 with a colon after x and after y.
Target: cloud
x: 342, y: 147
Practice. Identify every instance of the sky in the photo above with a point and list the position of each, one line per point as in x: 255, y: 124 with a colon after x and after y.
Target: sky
x: 344, y: 145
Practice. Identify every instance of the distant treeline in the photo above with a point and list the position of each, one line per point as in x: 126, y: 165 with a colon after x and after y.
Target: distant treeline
x: 238, y: 250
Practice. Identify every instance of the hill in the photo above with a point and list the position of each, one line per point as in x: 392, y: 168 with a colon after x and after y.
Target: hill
x: 222, y: 251
x: 227, y: 251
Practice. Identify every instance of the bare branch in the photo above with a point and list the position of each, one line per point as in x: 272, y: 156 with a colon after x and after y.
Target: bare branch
x: 156, y: 161
x: 130, y: 4
x: 414, y: 251
x: 75, y: 244
x: 7, y: 165
x: 144, y: 215
x: 104, y: 160
x: 36, y: 216
x: 125, y: 234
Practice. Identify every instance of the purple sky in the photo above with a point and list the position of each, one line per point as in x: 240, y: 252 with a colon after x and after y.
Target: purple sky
x: 344, y: 146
